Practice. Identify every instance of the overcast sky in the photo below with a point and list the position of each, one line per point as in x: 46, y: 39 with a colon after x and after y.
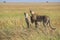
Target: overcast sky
x: 30, y: 0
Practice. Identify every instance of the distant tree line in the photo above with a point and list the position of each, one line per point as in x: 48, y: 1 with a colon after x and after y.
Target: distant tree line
x: 46, y: 1
x: 4, y: 1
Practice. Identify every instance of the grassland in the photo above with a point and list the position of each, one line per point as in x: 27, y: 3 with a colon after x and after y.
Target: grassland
x: 13, y: 26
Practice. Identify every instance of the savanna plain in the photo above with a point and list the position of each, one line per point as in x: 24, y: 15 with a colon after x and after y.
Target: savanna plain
x: 13, y: 25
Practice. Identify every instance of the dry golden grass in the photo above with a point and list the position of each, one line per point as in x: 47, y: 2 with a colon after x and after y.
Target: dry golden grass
x: 13, y: 26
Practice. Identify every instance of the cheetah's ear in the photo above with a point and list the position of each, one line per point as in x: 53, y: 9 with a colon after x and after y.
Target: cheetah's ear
x: 30, y: 10
x: 24, y: 13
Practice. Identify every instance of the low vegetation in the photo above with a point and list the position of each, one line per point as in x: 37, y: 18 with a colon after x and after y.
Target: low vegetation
x: 13, y: 25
